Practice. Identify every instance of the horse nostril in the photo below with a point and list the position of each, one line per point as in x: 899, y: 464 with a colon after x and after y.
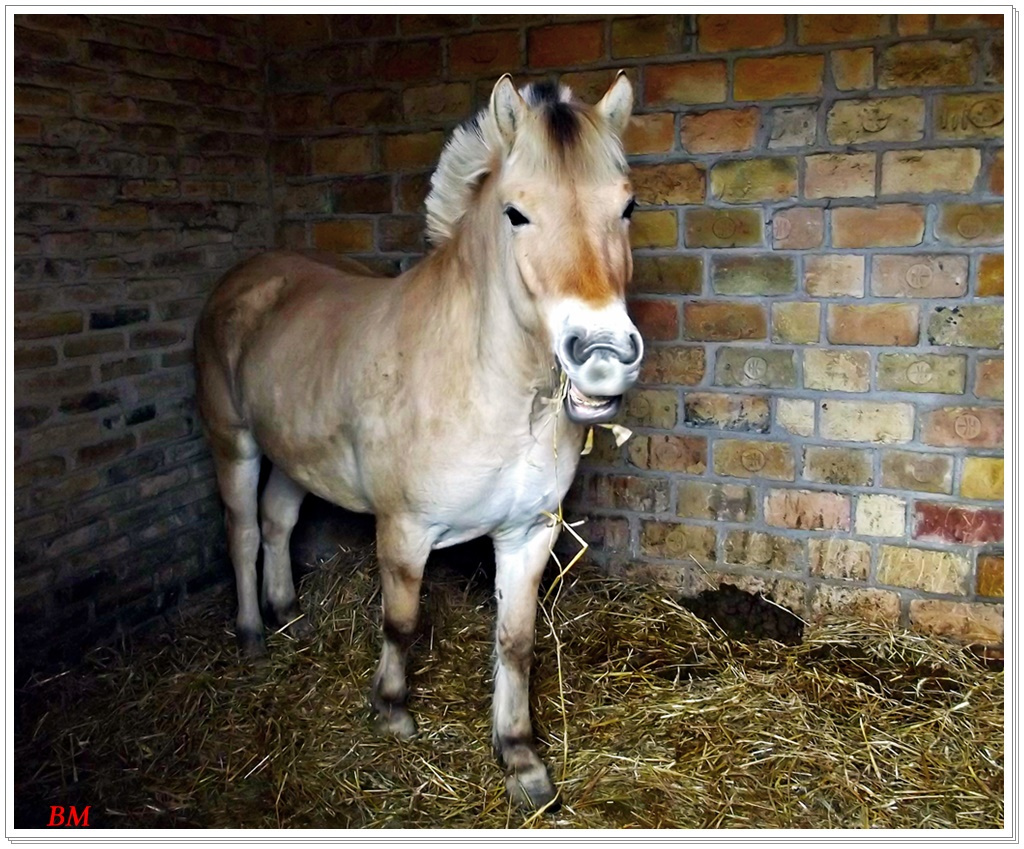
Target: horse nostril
x: 636, y: 348
x: 576, y: 347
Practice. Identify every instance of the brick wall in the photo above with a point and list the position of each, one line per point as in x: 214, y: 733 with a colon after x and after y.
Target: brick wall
x: 140, y: 170
x: 819, y: 276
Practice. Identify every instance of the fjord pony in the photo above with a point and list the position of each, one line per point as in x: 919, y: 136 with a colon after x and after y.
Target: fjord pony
x: 434, y: 400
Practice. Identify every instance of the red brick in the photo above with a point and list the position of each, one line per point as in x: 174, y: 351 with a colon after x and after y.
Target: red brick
x: 974, y: 427
x: 670, y: 453
x: 657, y: 320
x: 955, y: 523
x: 807, y: 510
x: 721, y: 130
x: 653, y: 133
x: 408, y: 61
x: 484, y: 52
x: 718, y: 33
x: 873, y: 324
x: 890, y: 225
x: 654, y: 35
x: 830, y: 29
x: 773, y: 77
x: 565, y: 44
x: 988, y: 380
x: 362, y: 109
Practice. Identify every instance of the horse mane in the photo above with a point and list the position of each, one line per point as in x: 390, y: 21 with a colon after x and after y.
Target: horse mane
x: 475, y: 148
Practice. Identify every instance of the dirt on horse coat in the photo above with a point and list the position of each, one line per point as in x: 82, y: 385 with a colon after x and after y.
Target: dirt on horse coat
x: 434, y: 400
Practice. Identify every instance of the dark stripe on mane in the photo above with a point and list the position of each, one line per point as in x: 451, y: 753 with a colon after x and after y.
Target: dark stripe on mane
x: 562, y: 120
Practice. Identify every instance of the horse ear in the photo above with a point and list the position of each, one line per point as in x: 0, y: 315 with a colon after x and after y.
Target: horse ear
x: 507, y: 107
x: 617, y: 103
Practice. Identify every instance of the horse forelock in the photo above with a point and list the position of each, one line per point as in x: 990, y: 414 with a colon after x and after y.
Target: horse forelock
x: 563, y: 137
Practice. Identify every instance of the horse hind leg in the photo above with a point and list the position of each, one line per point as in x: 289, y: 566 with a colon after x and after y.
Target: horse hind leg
x: 238, y: 477
x: 279, y: 511
x: 402, y: 555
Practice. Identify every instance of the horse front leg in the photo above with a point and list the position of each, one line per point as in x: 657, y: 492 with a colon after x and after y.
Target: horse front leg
x: 402, y: 552
x: 520, y: 558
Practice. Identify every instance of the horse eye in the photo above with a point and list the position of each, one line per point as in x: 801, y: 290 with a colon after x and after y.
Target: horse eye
x: 515, y: 217
x: 628, y: 211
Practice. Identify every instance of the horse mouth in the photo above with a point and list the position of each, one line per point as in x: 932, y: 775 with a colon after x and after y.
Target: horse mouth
x: 590, y: 409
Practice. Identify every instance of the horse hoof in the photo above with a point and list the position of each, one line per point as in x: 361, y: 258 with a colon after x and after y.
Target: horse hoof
x: 252, y: 645
x: 532, y: 788
x: 397, y: 722
x: 301, y: 629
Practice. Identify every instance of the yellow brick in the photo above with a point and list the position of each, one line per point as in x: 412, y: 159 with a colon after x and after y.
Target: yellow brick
x: 718, y: 33
x: 685, y: 83
x: 720, y: 131
x: 840, y: 175
x: 779, y: 76
x: 969, y: 116
x: 654, y: 229
x: 344, y: 155
x: 891, y: 225
x: 834, y: 275
x: 796, y: 322
x: 830, y: 29
x: 923, y: 171
x: 345, y: 236
x: 912, y: 24
x: 879, y: 119
x: 990, y: 276
x: 411, y: 151
x: 853, y: 69
x: 990, y: 575
x: 927, y: 63
x: 982, y: 478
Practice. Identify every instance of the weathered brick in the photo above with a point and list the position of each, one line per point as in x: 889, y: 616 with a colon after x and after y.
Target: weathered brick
x: 763, y: 551
x: 672, y: 274
x: 656, y: 228
x: 879, y: 119
x: 796, y: 322
x: 988, y: 378
x: 866, y: 421
x: 838, y: 466
x: 484, y: 52
x: 746, y: 458
x: 970, y: 326
x: 927, y: 63
x: 47, y: 325
x: 400, y: 233
x: 889, y: 225
x: 990, y: 575
x: 970, y: 223
x: 772, y: 77
x: 624, y: 492
x: 657, y: 320
x: 869, y: 605
x: 754, y: 180
x: 669, y: 453
x: 793, y: 126
x: 720, y: 131
x: 408, y: 61
x: 651, y: 133
x: 411, y: 151
x: 843, y: 559
x: 36, y: 100
x: 969, y: 20
x: 795, y: 415
x: 104, y: 452
x: 880, y: 516
x: 919, y: 276
x: 982, y: 478
x: 837, y: 370
x: 289, y: 32
x: 969, y: 623
x: 969, y: 116
x: 956, y: 523
x: 923, y: 569
x: 705, y: 227
x: 683, y: 365
x: 720, y: 33
x: 853, y: 69
x: 652, y: 408
x: 798, y: 228
x: 973, y: 427
x: 427, y: 23
x: 297, y: 113
x: 742, y: 366
x: 753, y: 275
x: 873, y: 324
x: 834, y: 275
x: 343, y: 155
x: 344, y: 235
x: 839, y: 175
x: 652, y: 35
x: 51, y: 381
x: 678, y: 541
x: 723, y: 321
x: 912, y: 24
x: 945, y: 374
x: 923, y: 171
x: 412, y: 192
x: 40, y: 469
x: 830, y: 29
x: 565, y: 44
x: 916, y: 472
x: 715, y: 501
x: 685, y: 84
x: 807, y: 510
x: 678, y: 182
x: 746, y: 413
x: 995, y: 173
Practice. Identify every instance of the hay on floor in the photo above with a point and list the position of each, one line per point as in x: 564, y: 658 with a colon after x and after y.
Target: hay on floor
x: 667, y: 722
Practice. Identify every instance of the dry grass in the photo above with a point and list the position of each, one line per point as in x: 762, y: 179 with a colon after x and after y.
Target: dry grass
x: 670, y: 724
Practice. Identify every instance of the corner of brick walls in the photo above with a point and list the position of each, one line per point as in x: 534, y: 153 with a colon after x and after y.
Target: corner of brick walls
x: 819, y: 277
x: 140, y: 169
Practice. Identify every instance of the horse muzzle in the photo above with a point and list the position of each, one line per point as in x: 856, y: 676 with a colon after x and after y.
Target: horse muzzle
x: 600, y: 366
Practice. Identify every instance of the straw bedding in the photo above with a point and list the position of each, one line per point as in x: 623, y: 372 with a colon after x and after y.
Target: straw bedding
x: 647, y: 716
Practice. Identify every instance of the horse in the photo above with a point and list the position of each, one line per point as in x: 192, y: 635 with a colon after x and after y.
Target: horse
x: 450, y: 401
